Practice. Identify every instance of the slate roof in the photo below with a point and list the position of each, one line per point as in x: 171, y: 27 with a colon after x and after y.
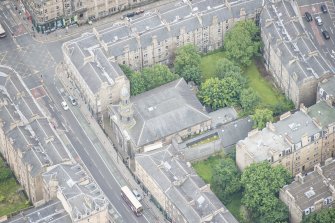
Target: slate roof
x: 165, y: 110
x: 322, y: 113
x: 51, y: 212
x: 329, y: 86
x: 315, y: 182
x: 182, y: 186
x: 79, y: 191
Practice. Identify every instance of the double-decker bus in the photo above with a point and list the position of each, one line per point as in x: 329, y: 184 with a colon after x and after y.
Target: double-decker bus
x: 131, y: 200
x: 2, y: 31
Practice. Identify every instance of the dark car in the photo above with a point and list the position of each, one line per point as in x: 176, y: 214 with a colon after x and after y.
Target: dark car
x: 325, y: 34
x: 308, y: 16
x: 324, y: 8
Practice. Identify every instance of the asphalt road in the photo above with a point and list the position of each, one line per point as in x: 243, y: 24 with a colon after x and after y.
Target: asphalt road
x: 37, y: 62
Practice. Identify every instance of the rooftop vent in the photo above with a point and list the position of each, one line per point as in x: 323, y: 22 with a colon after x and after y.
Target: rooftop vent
x: 167, y: 166
x: 310, y: 193
x: 294, y: 126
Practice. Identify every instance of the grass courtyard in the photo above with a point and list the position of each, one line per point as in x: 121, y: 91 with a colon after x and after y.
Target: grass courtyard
x: 10, y: 199
x: 267, y: 93
x: 205, y: 169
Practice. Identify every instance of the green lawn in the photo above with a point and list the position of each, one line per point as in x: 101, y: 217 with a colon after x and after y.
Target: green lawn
x: 205, y: 168
x: 268, y: 94
x: 208, y: 63
x: 12, y: 201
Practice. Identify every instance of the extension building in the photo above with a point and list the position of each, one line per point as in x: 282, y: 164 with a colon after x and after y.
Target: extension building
x: 326, y: 91
x: 311, y: 192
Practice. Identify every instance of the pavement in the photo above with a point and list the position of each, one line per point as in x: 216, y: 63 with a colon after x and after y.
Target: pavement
x: 104, y: 146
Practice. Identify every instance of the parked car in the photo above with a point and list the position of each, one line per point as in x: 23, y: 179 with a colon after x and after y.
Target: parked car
x: 318, y: 20
x: 325, y: 34
x: 137, y: 195
x: 72, y: 100
x: 64, y: 105
x: 324, y: 9
x: 308, y: 16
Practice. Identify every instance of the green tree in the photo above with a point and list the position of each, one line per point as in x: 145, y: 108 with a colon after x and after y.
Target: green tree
x: 157, y: 75
x: 261, y: 184
x: 324, y: 216
x: 242, y: 42
x: 249, y: 100
x: 232, y: 87
x: 261, y: 117
x: 126, y: 70
x: 5, y: 173
x: 137, y: 84
x: 225, y: 179
x: 187, y: 63
x: 211, y: 93
x: 225, y: 67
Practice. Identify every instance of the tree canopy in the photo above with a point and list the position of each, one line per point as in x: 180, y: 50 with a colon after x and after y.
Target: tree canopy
x: 217, y: 93
x: 187, y: 63
x: 249, y: 100
x: 148, y: 78
x: 324, y: 216
x: 261, y: 184
x: 261, y: 117
x: 225, y: 67
x: 242, y: 42
x: 226, y: 179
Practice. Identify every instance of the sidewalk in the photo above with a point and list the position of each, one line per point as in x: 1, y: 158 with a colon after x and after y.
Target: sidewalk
x: 106, y: 148
x: 60, y: 34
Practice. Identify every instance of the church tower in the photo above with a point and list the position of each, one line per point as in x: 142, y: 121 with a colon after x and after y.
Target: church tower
x: 125, y: 109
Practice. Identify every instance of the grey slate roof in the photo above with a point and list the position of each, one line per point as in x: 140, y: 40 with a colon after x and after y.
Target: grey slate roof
x: 51, y: 212
x: 323, y: 114
x: 165, y: 110
x: 79, y: 191
x: 312, y: 182
x: 222, y: 116
x: 26, y: 126
x: 329, y: 86
x: 299, y: 55
x: 182, y: 186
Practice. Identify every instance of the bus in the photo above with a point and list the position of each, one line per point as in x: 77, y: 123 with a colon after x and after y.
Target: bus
x: 131, y: 200
x: 2, y: 31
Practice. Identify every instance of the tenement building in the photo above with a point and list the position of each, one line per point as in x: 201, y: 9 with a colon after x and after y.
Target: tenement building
x: 40, y: 160
x: 152, y: 37
x: 48, y: 15
x: 290, y: 54
x: 177, y: 189
x: 150, y: 120
x: 298, y: 141
x: 311, y: 192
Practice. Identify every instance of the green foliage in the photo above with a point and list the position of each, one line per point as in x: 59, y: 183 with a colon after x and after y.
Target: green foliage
x: 149, y: 78
x: 187, y: 63
x: 157, y: 75
x: 282, y: 106
x: 249, y: 100
x: 225, y: 67
x: 5, y: 173
x: 242, y: 42
x: 217, y: 93
x: 137, y: 84
x: 126, y: 70
x: 261, y: 117
x: 261, y: 184
x: 226, y: 179
x: 324, y: 216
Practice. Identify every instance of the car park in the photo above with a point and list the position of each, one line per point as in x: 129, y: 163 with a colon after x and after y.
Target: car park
x: 324, y: 9
x: 64, y: 105
x: 72, y: 100
x: 308, y: 16
x: 318, y: 20
x: 325, y: 34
